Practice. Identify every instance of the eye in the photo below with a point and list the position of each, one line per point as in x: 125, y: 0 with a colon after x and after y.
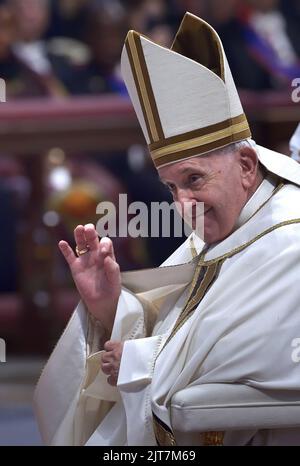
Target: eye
x: 194, y: 178
x: 171, y: 187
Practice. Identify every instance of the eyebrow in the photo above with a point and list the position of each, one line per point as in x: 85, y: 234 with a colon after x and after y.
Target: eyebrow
x: 183, y: 172
x: 189, y: 169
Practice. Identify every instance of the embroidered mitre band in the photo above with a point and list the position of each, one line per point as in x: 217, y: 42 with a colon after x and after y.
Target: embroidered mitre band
x: 184, y: 97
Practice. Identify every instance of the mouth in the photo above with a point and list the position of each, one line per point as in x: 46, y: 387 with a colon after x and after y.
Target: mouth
x: 194, y: 216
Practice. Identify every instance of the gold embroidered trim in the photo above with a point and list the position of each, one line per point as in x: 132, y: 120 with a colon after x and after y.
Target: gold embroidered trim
x: 134, y: 74
x: 193, y: 249
x: 197, y: 151
x: 212, y: 438
x: 253, y: 240
x: 275, y: 191
x: 144, y: 86
x: 195, y: 133
x: 196, y: 295
x: 164, y: 436
x: 213, y: 269
x: 200, y: 141
x: 148, y: 84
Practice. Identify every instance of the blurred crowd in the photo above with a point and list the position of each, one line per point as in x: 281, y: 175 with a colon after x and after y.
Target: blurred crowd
x: 71, y: 47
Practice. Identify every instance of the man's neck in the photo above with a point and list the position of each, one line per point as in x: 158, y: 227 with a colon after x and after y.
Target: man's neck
x: 261, y: 194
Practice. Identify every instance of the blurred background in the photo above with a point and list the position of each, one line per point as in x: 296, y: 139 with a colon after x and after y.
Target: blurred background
x: 70, y: 139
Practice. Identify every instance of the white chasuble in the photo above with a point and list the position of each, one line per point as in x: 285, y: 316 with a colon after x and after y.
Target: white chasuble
x: 227, y: 316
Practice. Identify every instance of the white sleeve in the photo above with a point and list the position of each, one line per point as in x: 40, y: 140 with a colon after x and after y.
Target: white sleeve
x: 137, y: 363
x: 134, y: 384
x: 130, y: 320
x: 72, y: 375
x: 128, y: 325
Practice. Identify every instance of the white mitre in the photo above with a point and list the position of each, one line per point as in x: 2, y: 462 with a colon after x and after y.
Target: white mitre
x: 185, y: 97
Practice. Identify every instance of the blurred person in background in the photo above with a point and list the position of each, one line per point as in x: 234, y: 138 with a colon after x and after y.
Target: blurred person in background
x: 262, y: 43
x: 290, y: 8
x: 156, y: 18
x: 32, y: 18
x: 8, y: 215
x: 218, y: 12
x: 197, y: 7
x: 21, y: 79
x: 67, y: 18
x: 104, y: 33
x: 91, y: 65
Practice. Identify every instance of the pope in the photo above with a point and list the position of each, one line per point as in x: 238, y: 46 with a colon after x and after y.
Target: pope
x: 221, y: 315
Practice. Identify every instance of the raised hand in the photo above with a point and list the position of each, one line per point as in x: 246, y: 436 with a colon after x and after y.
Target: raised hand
x: 95, y: 272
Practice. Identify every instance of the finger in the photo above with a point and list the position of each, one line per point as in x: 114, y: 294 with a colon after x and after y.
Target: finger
x: 80, y: 237
x: 107, y: 368
x: 107, y: 357
x: 67, y: 252
x: 110, y: 345
x: 107, y: 247
x: 104, y: 250
x: 112, y: 380
x: 112, y: 271
x: 91, y: 236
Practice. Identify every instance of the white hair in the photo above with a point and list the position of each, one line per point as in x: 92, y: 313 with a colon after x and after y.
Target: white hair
x: 237, y: 146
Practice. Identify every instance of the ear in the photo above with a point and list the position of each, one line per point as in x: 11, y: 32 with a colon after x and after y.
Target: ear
x: 248, y: 166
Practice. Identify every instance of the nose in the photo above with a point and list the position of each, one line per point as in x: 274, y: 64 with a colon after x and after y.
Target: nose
x: 187, y: 202
x: 185, y: 195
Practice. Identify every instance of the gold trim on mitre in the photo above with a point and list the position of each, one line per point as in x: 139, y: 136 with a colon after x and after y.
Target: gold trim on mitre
x: 200, y: 141
x: 196, y: 43
x: 143, y: 86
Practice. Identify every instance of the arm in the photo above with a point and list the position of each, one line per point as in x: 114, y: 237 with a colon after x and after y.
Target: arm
x: 73, y: 372
x: 232, y: 407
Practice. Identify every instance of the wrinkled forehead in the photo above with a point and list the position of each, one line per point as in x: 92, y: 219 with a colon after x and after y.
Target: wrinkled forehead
x: 201, y: 163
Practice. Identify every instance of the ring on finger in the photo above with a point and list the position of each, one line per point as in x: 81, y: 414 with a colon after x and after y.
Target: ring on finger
x: 80, y: 252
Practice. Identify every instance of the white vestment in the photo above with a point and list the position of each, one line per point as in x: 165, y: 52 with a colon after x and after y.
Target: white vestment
x: 241, y: 332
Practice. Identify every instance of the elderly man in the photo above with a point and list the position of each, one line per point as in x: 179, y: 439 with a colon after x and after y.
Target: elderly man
x: 219, y: 313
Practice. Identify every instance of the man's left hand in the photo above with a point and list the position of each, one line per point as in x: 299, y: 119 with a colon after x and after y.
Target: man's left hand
x: 111, y: 360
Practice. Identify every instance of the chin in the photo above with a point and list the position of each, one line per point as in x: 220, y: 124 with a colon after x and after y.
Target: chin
x: 209, y: 240
x: 209, y: 232
x: 211, y: 237
x: 206, y: 235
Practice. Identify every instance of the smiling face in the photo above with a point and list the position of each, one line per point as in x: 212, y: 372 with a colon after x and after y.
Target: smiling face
x: 222, y: 181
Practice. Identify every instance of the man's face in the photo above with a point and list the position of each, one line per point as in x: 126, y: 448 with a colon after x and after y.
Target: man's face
x: 216, y: 180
